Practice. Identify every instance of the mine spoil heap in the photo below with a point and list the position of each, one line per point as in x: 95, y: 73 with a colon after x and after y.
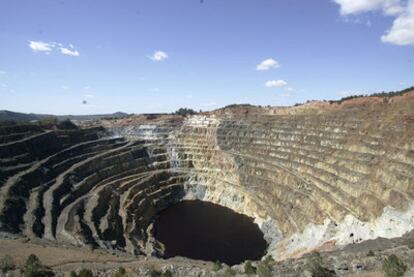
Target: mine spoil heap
x: 314, y: 176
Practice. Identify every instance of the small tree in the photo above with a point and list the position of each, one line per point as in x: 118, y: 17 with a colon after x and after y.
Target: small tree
x: 371, y: 253
x: 33, y: 267
x: 7, y: 264
x: 185, y: 111
x: 393, y: 266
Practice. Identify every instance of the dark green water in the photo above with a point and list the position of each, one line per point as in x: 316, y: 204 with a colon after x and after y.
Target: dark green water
x: 205, y: 231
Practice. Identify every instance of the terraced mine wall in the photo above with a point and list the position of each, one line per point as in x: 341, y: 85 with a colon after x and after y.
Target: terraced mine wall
x: 316, y: 176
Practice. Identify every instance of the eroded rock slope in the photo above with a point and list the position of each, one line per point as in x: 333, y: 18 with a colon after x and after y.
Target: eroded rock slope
x: 313, y: 176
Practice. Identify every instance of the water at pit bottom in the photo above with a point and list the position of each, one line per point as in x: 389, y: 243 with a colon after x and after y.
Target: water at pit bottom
x: 205, y: 231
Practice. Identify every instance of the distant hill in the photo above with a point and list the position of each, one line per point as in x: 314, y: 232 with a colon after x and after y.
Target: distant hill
x: 382, y: 94
x: 16, y: 116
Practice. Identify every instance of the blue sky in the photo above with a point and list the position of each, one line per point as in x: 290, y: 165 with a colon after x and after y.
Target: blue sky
x: 159, y: 55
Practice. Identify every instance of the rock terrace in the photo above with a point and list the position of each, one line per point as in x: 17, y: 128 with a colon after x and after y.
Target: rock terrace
x: 316, y: 176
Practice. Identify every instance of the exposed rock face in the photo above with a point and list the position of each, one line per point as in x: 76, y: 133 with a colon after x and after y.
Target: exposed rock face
x: 312, y: 176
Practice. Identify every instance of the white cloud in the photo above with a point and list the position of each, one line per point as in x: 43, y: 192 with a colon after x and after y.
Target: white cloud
x: 267, y: 64
x: 2, y: 72
x: 90, y: 96
x: 40, y: 46
x: 64, y: 87
x: 159, y: 56
x: 3, y: 85
x: 69, y: 52
x: 390, y: 7
x: 275, y: 83
x: 402, y: 30
x: 290, y: 89
x: 48, y: 47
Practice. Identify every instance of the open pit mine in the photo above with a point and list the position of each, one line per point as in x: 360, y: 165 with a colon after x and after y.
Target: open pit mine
x: 315, y: 177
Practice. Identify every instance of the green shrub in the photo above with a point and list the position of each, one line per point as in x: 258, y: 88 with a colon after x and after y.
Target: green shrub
x: 73, y: 274
x: 239, y: 106
x: 48, y: 122
x: 33, y: 262
x: 264, y: 268
x: 185, y: 111
x: 121, y: 272
x: 7, y: 264
x: 410, y: 243
x: 315, y: 257
x: 153, y: 273
x: 393, y: 266
x: 383, y: 94
x: 229, y: 272
x: 269, y: 259
x: 314, y: 265
x: 217, y: 266
x: 33, y: 267
x: 85, y: 273
x: 166, y: 273
x: 371, y: 253
x: 249, y: 268
x: 66, y: 125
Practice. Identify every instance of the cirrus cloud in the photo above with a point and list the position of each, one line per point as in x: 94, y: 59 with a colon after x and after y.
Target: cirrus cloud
x: 267, y: 64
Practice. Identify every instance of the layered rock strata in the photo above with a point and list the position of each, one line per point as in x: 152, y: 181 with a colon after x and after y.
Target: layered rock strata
x: 314, y: 176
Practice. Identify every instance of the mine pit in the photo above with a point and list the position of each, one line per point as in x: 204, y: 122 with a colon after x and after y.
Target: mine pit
x: 205, y: 231
x: 236, y: 184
